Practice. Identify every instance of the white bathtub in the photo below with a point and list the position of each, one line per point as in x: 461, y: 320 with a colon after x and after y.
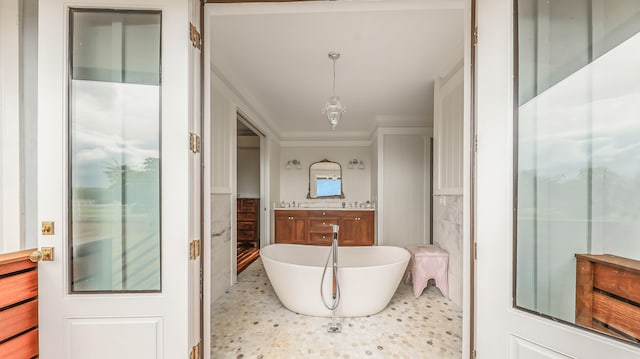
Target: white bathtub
x: 369, y: 276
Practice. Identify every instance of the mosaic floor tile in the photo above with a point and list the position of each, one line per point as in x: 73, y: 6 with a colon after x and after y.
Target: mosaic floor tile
x: 249, y: 321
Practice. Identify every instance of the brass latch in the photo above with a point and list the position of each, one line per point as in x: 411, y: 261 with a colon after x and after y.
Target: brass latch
x: 44, y: 254
x: 47, y: 228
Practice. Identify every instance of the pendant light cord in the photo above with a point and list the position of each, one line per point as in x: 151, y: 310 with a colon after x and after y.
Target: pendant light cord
x: 334, y: 77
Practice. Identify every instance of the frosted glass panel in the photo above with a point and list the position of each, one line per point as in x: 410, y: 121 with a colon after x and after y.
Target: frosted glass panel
x: 114, y: 139
x: 578, y: 188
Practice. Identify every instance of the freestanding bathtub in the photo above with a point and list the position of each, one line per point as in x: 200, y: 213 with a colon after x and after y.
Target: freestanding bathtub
x: 368, y: 277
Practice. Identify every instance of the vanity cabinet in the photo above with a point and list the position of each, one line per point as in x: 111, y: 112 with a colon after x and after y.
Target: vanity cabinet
x: 314, y: 227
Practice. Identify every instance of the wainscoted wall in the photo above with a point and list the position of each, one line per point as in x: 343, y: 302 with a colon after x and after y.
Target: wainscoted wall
x: 447, y: 234
x: 403, y: 186
x: 294, y: 183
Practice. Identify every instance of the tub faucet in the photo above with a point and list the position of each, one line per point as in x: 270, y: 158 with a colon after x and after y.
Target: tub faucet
x: 334, y: 326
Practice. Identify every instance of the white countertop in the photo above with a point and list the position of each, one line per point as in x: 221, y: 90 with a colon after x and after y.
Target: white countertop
x: 322, y: 209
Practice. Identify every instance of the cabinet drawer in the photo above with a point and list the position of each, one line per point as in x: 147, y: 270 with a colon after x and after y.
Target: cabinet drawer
x: 246, y: 236
x: 320, y: 238
x: 322, y: 225
x: 246, y: 217
x: 246, y: 226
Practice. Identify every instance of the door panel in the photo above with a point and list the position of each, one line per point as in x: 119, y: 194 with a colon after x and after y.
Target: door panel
x: 75, y: 325
x: 498, y: 323
x: 135, y: 337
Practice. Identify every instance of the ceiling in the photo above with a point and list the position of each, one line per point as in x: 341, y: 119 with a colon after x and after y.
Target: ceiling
x: 274, y: 57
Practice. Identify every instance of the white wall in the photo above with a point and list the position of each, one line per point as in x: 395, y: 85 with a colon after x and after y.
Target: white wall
x: 18, y: 132
x: 294, y: 183
x: 248, y: 165
x: 9, y: 127
x: 403, y: 186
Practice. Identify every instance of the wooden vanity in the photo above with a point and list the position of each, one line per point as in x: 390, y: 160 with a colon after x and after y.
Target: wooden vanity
x: 311, y: 226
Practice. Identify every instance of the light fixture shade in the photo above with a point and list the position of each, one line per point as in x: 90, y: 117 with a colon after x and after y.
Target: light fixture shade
x: 334, y: 110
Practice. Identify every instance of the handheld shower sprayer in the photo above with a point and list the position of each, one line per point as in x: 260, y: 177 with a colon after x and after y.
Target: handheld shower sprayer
x: 333, y: 327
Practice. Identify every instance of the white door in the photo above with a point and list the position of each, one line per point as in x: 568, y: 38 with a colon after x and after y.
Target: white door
x: 113, y: 176
x: 502, y: 331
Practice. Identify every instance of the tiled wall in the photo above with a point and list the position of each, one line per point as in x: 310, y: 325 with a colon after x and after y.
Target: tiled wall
x: 447, y: 234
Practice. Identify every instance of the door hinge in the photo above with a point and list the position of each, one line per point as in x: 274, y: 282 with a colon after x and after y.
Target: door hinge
x: 194, y: 142
x: 194, y: 35
x: 475, y: 143
x: 474, y: 353
x: 194, y: 249
x: 195, y: 351
x: 475, y: 36
x: 475, y: 250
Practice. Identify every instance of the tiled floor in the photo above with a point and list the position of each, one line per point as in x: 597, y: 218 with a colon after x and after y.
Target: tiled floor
x: 249, y: 322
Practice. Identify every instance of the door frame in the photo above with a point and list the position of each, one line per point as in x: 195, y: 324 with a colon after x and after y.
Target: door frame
x: 469, y: 174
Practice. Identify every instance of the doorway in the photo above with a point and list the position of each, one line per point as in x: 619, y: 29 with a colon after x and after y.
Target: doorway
x: 248, y: 190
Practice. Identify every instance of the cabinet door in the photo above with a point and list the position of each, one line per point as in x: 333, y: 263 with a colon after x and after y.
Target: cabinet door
x: 290, y: 229
x: 356, y: 229
x: 348, y: 234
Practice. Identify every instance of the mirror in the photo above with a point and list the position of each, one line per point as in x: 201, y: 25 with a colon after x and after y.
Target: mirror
x: 325, y: 180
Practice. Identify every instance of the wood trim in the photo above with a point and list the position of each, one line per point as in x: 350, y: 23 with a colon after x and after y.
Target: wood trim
x: 249, y: 1
x: 9, y: 258
x: 625, y: 264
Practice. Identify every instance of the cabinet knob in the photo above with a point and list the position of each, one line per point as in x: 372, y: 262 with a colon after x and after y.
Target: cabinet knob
x: 324, y: 223
x: 323, y: 213
x: 323, y: 237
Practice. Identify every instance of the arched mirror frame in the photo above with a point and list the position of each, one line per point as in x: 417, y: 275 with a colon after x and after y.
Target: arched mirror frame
x: 341, y: 195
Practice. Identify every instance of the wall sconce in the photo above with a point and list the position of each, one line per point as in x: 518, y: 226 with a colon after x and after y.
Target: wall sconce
x: 356, y: 163
x: 294, y: 164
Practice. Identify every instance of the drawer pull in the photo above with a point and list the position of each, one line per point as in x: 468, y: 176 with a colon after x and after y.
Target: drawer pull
x: 323, y: 213
x: 323, y: 237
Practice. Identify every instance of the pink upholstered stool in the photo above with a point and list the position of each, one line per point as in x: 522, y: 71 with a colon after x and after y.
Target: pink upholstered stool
x: 427, y: 262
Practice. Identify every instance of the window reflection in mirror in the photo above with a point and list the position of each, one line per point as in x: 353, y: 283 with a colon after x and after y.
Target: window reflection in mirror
x: 578, y: 162
x: 325, y: 180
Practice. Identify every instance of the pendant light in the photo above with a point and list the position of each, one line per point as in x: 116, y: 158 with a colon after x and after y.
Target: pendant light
x: 334, y: 107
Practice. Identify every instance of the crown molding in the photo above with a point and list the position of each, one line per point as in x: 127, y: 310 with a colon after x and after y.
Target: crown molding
x: 301, y: 7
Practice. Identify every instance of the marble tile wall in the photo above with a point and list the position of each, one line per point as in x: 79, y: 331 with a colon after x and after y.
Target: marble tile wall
x: 447, y: 234
x: 221, y: 276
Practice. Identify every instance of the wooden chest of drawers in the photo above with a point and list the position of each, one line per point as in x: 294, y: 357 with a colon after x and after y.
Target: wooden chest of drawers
x: 248, y: 220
